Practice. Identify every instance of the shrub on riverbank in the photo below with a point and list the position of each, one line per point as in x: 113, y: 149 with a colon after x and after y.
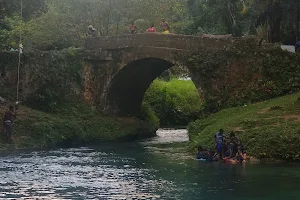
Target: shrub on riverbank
x: 149, y: 115
x: 72, y: 125
x: 175, y: 102
x: 269, y: 129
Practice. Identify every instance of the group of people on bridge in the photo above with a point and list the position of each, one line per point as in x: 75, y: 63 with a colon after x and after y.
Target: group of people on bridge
x: 165, y: 28
x: 227, y: 148
x: 164, y: 25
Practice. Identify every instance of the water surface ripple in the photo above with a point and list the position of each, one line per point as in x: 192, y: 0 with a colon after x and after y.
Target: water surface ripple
x: 140, y: 171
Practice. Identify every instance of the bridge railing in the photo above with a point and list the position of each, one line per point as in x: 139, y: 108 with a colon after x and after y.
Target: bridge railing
x: 172, y: 41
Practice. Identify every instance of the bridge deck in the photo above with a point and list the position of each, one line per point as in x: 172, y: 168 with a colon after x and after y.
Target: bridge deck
x: 172, y: 41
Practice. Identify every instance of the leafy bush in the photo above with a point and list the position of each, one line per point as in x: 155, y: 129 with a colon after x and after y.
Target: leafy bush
x: 72, y: 125
x: 47, y: 98
x: 176, y: 102
x: 149, y: 115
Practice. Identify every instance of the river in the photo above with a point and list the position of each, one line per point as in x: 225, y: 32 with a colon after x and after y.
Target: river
x: 140, y: 170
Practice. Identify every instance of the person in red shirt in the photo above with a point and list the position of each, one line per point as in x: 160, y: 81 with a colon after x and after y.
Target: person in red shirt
x: 151, y: 29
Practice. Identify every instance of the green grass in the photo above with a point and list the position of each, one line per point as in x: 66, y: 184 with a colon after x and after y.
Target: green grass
x: 269, y: 129
x: 73, y: 125
x: 175, y: 102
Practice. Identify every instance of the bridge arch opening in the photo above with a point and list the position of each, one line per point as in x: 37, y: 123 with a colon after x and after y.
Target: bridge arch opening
x: 129, y: 85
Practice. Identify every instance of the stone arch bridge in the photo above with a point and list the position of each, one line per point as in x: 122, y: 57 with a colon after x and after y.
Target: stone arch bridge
x: 121, y: 68
x: 113, y: 73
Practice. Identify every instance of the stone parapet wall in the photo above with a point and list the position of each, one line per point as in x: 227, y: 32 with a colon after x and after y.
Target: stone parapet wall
x: 170, y: 41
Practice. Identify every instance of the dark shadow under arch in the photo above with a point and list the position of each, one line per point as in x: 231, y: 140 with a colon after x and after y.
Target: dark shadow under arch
x: 129, y: 85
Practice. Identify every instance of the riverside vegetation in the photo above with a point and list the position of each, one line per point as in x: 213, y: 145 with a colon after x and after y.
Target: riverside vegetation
x: 73, y: 124
x: 175, y: 102
x: 269, y: 128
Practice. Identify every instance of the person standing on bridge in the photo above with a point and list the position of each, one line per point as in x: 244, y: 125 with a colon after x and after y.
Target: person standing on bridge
x: 165, y: 27
x: 151, y: 28
x: 133, y: 28
x: 92, y: 32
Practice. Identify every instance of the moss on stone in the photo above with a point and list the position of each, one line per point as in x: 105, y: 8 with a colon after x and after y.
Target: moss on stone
x: 243, y: 73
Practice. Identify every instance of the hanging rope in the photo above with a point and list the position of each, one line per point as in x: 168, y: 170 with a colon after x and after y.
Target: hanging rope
x: 20, y: 52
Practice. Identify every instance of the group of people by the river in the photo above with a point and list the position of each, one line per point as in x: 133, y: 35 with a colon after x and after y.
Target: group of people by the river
x: 165, y: 28
x: 227, y: 148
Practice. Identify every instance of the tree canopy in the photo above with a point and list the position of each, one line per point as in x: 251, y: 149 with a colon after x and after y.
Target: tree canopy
x: 49, y: 24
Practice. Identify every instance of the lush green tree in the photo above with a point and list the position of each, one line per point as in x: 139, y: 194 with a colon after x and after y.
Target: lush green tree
x: 11, y: 23
x: 280, y: 18
x: 66, y: 21
x: 216, y: 16
x: 175, y: 102
x: 276, y: 20
x: 31, y: 8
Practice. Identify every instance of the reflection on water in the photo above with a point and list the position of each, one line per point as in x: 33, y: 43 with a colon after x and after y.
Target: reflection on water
x: 74, y: 173
x: 134, y: 171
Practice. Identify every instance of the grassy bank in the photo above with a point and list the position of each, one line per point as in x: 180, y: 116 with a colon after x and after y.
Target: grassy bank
x: 175, y: 102
x: 71, y: 126
x: 269, y: 129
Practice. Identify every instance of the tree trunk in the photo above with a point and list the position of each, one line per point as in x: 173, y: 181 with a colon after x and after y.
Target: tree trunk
x: 274, y: 24
x: 297, y: 23
x: 2, y: 13
x: 108, y: 18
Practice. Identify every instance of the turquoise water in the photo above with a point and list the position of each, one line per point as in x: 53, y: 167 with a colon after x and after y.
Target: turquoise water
x: 140, y: 171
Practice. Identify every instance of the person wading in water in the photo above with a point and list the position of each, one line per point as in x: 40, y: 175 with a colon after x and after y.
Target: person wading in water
x: 8, y: 120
